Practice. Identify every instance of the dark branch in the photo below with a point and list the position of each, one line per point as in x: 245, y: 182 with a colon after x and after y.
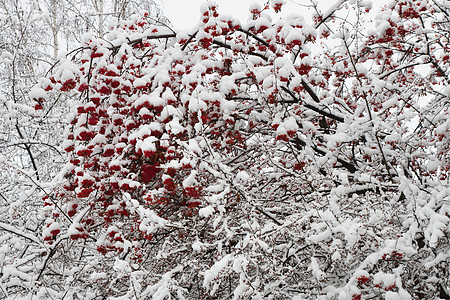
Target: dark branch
x: 254, y: 36
x: 317, y: 110
x: 300, y: 144
x: 310, y: 91
x: 221, y: 44
x: 30, y: 154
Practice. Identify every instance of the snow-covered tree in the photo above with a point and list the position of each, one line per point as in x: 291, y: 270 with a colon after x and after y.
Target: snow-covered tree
x: 34, y: 35
x: 274, y: 159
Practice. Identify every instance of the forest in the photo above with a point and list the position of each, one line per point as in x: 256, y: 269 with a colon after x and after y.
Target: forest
x: 284, y: 157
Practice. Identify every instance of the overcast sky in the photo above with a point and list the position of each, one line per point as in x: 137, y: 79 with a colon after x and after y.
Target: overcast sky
x: 185, y: 14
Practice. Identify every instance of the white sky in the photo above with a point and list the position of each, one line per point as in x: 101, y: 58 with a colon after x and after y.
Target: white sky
x: 185, y: 14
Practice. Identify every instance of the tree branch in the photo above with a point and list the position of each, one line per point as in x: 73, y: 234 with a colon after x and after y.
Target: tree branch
x: 349, y: 166
x: 30, y: 154
x: 317, y: 110
x: 18, y: 232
